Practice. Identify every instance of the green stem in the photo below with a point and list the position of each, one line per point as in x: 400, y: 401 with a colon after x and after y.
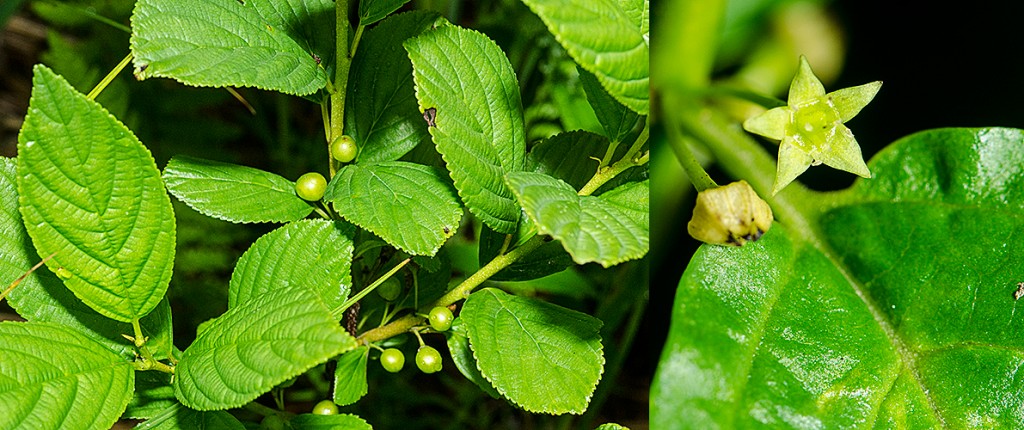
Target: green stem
x: 629, y: 160
x: 110, y: 77
x: 359, y: 296
x: 460, y: 292
x: 342, y: 63
x: 355, y: 39
x: 261, y: 409
x: 678, y: 142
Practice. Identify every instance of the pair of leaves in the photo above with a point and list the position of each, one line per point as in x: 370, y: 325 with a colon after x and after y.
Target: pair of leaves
x: 906, y: 318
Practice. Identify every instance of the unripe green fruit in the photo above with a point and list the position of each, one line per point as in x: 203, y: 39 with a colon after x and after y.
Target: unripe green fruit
x: 311, y: 186
x: 390, y: 289
x: 441, y: 318
x: 344, y: 149
x: 273, y: 422
x: 392, y: 360
x: 428, y: 359
x: 325, y: 407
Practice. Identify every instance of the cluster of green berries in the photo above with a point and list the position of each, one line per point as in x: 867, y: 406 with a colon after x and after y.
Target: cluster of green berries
x: 428, y: 360
x: 311, y: 186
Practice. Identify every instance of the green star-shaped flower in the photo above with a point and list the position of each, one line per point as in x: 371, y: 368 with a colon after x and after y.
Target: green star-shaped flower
x: 811, y: 127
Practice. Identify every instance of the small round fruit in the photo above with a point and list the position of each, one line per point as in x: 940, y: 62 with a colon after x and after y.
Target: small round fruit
x: 390, y: 289
x: 428, y: 359
x: 325, y: 407
x: 392, y: 360
x: 441, y: 318
x: 311, y: 186
x: 344, y: 149
x: 273, y: 422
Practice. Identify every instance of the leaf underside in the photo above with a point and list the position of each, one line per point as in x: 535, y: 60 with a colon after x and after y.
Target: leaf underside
x: 91, y: 193
x: 908, y: 319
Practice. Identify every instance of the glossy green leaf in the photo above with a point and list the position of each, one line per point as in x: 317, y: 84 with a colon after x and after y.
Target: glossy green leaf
x: 154, y: 393
x: 329, y: 422
x: 411, y: 206
x: 371, y: 11
x: 232, y: 192
x: 313, y: 255
x: 53, y: 374
x: 618, y: 121
x: 592, y: 229
x: 906, y: 318
x: 256, y: 346
x: 350, y: 376
x: 267, y: 44
x: 571, y: 156
x: 548, y: 259
x: 91, y: 193
x: 469, y: 82
x: 542, y: 357
x: 607, y: 40
x: 381, y: 114
x: 178, y: 417
x: 462, y: 355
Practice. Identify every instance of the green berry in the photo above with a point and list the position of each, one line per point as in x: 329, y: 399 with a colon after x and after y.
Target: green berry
x: 311, y: 186
x: 390, y: 289
x: 392, y: 360
x: 441, y: 318
x: 344, y: 149
x: 325, y: 407
x: 428, y: 359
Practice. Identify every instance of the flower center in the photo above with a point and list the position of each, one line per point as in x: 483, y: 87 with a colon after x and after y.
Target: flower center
x: 814, y: 124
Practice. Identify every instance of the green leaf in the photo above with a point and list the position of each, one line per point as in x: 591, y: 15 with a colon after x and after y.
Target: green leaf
x: 52, y: 374
x: 371, y: 11
x: 329, y: 422
x: 411, y: 206
x: 592, y: 229
x: 906, y: 317
x: 350, y: 376
x: 261, y: 43
x: 542, y: 357
x: 571, y: 156
x: 607, y: 40
x: 549, y: 258
x: 479, y: 117
x: 178, y: 417
x: 382, y: 116
x: 313, y: 255
x: 462, y: 355
x: 611, y: 426
x: 256, y: 346
x: 618, y: 121
x: 91, y: 193
x: 154, y: 393
x: 233, y: 193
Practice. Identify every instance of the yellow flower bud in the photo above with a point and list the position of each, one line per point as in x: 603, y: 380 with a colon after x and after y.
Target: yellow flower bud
x: 730, y: 215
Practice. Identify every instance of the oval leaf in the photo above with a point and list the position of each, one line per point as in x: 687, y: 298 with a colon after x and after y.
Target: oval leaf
x: 468, y: 82
x: 382, y: 116
x: 227, y: 43
x: 255, y: 346
x: 233, y: 193
x: 907, y: 316
x: 91, y: 193
x: 592, y: 229
x: 411, y: 206
x: 51, y: 374
x: 607, y: 40
x: 371, y: 11
x: 350, y: 376
x: 542, y: 357
x: 314, y: 255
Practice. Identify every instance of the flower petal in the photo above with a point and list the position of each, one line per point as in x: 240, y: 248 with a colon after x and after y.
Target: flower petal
x: 792, y: 162
x: 849, y: 101
x: 771, y: 124
x: 805, y: 86
x: 844, y: 153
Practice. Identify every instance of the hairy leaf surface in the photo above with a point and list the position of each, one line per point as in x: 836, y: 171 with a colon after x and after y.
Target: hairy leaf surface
x: 255, y: 346
x: 232, y: 192
x: 607, y: 38
x: 904, y: 315
x: 471, y: 87
x: 542, y: 357
x: 411, y: 206
x: 313, y: 255
x: 53, y: 374
x: 267, y: 44
x: 593, y: 229
x: 91, y: 194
